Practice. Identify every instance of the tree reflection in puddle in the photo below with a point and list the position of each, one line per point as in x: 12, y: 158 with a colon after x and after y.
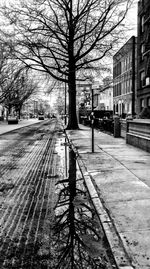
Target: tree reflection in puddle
x: 78, y: 240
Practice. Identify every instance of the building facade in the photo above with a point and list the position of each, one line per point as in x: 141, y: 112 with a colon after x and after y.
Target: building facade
x: 143, y: 58
x: 84, y: 94
x: 124, y: 79
x: 105, y: 100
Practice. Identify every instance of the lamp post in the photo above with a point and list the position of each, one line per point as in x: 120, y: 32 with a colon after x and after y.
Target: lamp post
x: 92, y: 120
x: 90, y: 78
x: 65, y: 104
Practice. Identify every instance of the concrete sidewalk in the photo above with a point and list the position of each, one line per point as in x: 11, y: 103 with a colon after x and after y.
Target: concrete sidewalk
x: 118, y: 179
x: 5, y: 127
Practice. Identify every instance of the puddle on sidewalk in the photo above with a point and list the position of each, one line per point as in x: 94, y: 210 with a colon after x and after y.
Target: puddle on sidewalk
x: 77, y: 237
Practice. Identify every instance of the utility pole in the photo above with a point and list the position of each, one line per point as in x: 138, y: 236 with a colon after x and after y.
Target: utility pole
x: 92, y: 111
x: 92, y: 120
x: 65, y: 104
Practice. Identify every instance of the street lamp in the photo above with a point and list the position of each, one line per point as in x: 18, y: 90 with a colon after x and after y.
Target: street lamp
x: 92, y: 119
x: 65, y: 104
x: 92, y: 110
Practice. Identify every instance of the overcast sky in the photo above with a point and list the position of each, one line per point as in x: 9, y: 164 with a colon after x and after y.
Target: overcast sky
x: 131, y: 19
x: 130, y: 22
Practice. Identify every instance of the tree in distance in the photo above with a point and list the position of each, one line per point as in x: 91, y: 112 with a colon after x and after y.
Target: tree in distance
x: 16, y: 81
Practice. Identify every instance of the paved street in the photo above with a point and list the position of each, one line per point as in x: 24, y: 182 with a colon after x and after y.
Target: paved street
x: 47, y: 219
x: 27, y: 164
x: 117, y: 176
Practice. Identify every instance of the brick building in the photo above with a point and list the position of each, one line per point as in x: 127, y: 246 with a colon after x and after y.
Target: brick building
x: 124, y: 78
x: 143, y: 52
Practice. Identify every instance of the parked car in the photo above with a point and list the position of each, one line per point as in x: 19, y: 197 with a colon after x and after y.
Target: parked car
x: 12, y: 119
x: 41, y: 116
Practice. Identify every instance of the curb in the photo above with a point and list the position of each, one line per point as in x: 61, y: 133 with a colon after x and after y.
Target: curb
x: 121, y: 257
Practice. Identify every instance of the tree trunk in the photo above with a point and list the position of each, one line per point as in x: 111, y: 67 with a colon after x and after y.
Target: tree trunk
x: 72, y: 121
x: 19, y: 113
x: 9, y: 109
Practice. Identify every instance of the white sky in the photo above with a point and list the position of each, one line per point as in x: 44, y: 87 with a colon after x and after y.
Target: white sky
x: 130, y: 22
x: 131, y: 19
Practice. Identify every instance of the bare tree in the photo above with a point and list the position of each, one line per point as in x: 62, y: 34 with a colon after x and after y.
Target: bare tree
x: 63, y: 37
x: 19, y: 90
x: 15, y: 81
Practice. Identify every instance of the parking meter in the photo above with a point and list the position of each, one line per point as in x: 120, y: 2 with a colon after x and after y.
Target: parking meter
x: 92, y: 117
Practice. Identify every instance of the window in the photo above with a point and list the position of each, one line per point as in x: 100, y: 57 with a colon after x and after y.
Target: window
x: 114, y: 92
x: 119, y: 89
x: 130, y: 60
x: 142, y: 78
x: 114, y: 109
x: 130, y: 85
x: 117, y: 108
x: 125, y: 64
x: 122, y: 66
x: 142, y: 49
x: 127, y: 85
x: 148, y: 81
x: 148, y: 102
x: 142, y: 23
x: 129, y: 89
x: 142, y: 103
x: 122, y: 88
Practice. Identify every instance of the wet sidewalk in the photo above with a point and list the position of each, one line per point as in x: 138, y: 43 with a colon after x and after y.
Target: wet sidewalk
x: 118, y: 179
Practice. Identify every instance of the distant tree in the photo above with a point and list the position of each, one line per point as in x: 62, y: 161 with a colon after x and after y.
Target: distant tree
x: 15, y: 81
x: 63, y: 37
x: 18, y: 91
